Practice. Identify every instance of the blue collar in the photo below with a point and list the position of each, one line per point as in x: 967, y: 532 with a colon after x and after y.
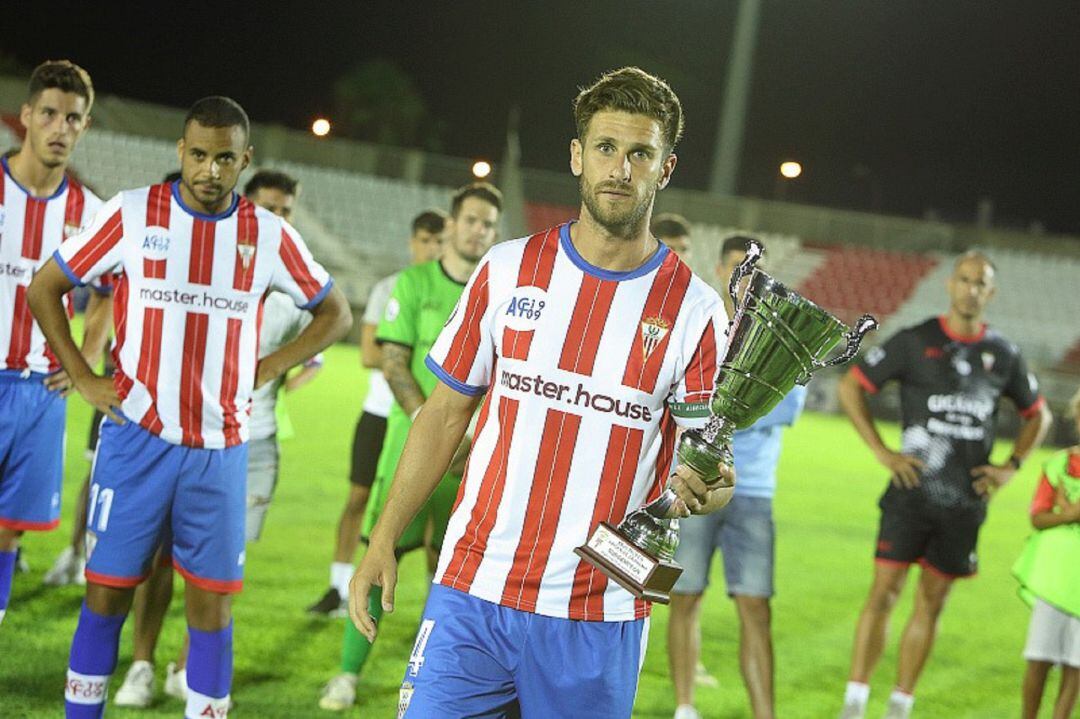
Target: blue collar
x: 31, y: 195
x: 201, y: 215
x: 648, y: 266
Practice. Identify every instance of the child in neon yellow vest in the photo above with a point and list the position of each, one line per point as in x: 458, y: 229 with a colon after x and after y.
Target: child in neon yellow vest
x: 1049, y: 575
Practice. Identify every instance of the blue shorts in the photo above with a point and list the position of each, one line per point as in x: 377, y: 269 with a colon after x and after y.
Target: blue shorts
x: 474, y: 658
x: 146, y: 492
x: 744, y: 533
x: 31, y: 452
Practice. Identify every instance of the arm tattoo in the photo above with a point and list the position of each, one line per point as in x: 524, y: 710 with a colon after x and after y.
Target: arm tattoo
x: 395, y: 365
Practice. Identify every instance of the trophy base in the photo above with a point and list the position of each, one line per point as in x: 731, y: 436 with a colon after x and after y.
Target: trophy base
x: 637, y: 571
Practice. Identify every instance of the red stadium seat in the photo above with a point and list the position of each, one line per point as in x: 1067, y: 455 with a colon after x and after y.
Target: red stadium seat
x: 854, y: 280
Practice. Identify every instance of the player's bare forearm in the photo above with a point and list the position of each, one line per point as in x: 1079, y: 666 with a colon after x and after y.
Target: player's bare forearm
x: 331, y: 320
x: 370, y: 351
x: 295, y: 381
x: 396, y: 361
x: 1032, y: 432
x: 853, y: 401
x: 96, y: 327
x: 1046, y: 520
x: 434, y: 436
x: 45, y: 297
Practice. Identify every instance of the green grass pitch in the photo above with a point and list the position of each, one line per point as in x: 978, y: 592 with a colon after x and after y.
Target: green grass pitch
x: 826, y: 519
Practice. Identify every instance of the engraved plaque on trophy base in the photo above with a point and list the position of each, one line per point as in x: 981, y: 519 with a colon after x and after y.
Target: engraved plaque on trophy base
x: 640, y: 573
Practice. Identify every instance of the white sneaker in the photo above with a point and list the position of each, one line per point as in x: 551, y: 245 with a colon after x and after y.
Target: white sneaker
x: 339, y: 693
x: 176, y: 682
x: 686, y: 711
x: 703, y: 679
x: 138, y: 687
x: 853, y: 710
x: 64, y: 569
x: 897, y: 710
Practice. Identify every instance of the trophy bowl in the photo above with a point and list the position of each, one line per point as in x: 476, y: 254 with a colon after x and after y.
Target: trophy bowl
x: 776, y: 339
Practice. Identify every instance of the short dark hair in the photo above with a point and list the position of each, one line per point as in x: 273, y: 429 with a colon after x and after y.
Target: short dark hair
x: 273, y: 180
x: 670, y: 224
x: 737, y: 243
x: 173, y: 176
x: 433, y: 221
x: 481, y: 190
x: 631, y: 89
x: 64, y: 75
x: 218, y: 111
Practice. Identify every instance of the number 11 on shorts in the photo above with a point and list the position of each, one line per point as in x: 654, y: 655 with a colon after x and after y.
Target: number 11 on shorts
x: 99, y: 505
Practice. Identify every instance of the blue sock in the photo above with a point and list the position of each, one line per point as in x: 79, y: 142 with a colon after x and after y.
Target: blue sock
x: 209, y: 671
x: 7, y: 571
x: 93, y: 660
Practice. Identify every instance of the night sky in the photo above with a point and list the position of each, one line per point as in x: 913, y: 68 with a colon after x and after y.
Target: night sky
x: 889, y: 104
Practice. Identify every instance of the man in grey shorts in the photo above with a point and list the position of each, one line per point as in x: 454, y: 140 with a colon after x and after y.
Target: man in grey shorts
x: 743, y: 531
x: 282, y: 321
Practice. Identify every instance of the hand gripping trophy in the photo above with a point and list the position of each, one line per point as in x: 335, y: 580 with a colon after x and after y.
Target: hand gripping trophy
x: 776, y: 339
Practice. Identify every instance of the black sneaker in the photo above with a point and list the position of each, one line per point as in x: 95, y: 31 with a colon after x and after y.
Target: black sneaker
x: 332, y: 604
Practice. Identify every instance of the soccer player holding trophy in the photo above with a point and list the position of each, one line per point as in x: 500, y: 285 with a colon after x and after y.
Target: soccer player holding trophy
x: 592, y: 341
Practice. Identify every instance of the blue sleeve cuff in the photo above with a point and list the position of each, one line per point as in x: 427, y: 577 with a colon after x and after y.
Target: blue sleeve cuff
x: 102, y: 290
x: 450, y: 381
x: 314, y: 301
x: 67, y: 269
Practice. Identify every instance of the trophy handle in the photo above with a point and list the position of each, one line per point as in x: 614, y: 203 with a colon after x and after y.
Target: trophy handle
x: 863, y: 326
x: 754, y: 252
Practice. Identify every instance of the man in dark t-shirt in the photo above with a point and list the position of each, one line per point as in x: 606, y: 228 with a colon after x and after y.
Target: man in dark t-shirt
x: 952, y: 370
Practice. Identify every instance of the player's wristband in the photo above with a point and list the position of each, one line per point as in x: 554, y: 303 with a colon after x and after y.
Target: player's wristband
x: 1015, y: 462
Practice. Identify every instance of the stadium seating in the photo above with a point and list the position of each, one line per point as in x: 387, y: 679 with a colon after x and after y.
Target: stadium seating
x: 1036, y: 302
x: 540, y: 216
x: 1071, y: 361
x: 369, y: 217
x: 1045, y: 330
x: 8, y: 138
x: 109, y: 161
x: 357, y: 225
x: 849, y: 281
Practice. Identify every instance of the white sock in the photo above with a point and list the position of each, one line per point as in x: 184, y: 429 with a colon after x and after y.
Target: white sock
x: 200, y: 705
x: 686, y: 711
x: 902, y: 699
x: 86, y: 689
x: 857, y: 693
x: 2, y: 613
x: 340, y: 574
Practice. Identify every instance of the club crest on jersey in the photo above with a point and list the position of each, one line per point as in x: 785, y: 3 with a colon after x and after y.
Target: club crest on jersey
x: 962, y: 366
x: 246, y: 252
x: 653, y: 332
x: 988, y: 361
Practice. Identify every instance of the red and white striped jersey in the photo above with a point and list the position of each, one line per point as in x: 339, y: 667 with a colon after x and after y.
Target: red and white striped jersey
x: 31, y: 228
x: 587, y: 373
x: 187, y: 305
